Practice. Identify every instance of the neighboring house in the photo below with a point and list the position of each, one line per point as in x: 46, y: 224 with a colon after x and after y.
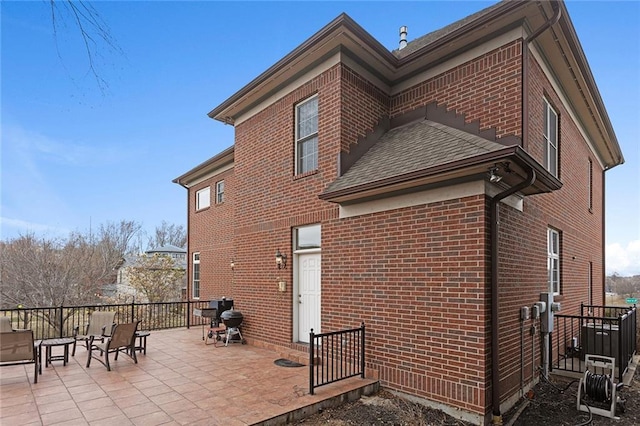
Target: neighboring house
x: 431, y: 192
x: 123, y: 290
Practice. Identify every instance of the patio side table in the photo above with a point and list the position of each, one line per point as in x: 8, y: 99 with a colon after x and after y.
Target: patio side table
x: 50, y: 343
x: 141, y: 337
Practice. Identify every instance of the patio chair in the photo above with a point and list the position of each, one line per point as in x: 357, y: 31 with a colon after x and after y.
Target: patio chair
x: 5, y: 325
x: 122, y: 340
x: 18, y: 348
x: 100, y: 325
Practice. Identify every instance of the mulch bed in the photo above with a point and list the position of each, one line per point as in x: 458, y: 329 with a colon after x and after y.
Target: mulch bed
x: 548, y: 403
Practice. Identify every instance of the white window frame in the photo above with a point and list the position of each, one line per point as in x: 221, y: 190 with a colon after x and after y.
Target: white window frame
x: 590, y: 186
x: 553, y: 260
x: 301, y: 163
x: 220, y: 192
x: 195, y: 276
x: 590, y: 284
x: 550, y: 134
x: 203, y: 198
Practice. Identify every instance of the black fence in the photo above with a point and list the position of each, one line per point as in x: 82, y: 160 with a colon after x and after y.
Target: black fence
x: 335, y: 356
x: 598, y: 330
x: 55, y: 322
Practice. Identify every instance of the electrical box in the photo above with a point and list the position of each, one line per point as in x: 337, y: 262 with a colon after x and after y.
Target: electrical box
x: 546, y: 321
x: 524, y: 313
x: 535, y: 311
x: 282, y: 286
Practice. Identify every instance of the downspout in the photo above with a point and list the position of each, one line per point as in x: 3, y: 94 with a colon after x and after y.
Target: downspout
x: 495, y: 325
x: 524, y: 110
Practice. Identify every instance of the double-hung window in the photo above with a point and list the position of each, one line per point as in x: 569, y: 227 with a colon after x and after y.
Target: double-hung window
x: 553, y: 260
x: 307, y: 136
x: 220, y: 192
x: 550, y: 138
x: 195, y: 285
x: 203, y: 198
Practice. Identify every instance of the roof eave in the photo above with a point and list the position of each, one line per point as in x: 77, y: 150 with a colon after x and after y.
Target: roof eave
x: 450, y: 171
x: 339, y: 24
x: 222, y: 159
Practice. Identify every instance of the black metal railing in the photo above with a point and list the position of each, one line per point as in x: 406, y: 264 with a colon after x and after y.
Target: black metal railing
x: 335, y: 356
x: 60, y: 321
x: 598, y: 330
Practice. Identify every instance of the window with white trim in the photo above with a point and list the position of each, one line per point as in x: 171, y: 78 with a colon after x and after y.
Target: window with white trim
x: 195, y: 284
x: 203, y: 198
x: 220, y: 192
x: 307, y: 136
x: 590, y: 284
x: 550, y: 138
x: 553, y: 260
x: 590, y: 185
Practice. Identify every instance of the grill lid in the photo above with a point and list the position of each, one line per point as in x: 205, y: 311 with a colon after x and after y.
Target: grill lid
x: 231, y: 314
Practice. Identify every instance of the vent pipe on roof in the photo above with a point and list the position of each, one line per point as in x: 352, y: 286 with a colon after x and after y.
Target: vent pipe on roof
x: 403, y: 37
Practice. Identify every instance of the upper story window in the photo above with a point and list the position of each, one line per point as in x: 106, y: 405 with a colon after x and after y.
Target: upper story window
x: 203, y: 198
x: 553, y: 260
x: 220, y: 192
x: 307, y: 136
x: 550, y: 139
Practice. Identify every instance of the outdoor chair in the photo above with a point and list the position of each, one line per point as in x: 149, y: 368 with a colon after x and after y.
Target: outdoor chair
x: 5, y: 325
x: 100, y: 325
x: 17, y: 348
x: 122, y: 340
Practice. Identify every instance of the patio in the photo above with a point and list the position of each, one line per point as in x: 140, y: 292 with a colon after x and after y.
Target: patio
x: 179, y: 381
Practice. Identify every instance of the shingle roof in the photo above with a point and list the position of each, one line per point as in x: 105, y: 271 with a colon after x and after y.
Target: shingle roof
x: 168, y: 248
x: 415, y: 146
x: 426, y: 39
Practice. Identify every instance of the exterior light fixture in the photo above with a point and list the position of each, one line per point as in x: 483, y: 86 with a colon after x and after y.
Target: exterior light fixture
x: 494, y: 177
x: 233, y: 264
x: 281, y: 260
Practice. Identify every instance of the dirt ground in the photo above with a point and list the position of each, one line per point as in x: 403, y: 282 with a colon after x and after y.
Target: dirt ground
x: 549, y: 403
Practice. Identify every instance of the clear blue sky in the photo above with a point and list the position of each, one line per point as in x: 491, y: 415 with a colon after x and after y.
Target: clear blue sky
x: 74, y: 155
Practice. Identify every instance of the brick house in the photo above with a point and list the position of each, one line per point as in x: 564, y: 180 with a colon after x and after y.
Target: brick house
x: 431, y: 192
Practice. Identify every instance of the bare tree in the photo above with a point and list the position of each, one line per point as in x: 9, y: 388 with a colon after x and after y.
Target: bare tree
x: 93, y: 30
x: 168, y: 234
x: 157, y: 277
x: 42, y: 272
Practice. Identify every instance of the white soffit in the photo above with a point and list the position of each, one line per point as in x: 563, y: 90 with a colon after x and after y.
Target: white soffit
x: 565, y: 102
x: 452, y: 192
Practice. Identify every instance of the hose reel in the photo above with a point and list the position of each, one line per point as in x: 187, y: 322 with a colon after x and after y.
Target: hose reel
x: 599, y: 387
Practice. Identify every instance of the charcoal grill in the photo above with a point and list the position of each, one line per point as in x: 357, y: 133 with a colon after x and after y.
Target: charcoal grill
x: 215, y: 330
x: 232, y: 319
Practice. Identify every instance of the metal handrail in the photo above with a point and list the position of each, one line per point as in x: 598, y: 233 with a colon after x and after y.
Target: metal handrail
x: 598, y: 330
x: 336, y: 355
x: 60, y: 321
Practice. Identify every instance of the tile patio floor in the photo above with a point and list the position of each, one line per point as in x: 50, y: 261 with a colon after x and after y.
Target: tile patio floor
x: 180, y: 381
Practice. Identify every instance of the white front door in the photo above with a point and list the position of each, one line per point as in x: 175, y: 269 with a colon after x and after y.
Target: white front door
x: 308, y: 295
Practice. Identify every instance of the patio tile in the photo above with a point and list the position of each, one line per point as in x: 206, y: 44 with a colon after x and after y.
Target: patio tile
x: 52, y: 407
x: 100, y: 413
x: 131, y: 400
x: 87, y: 396
x: 14, y: 410
x: 151, y: 419
x: 62, y: 416
x: 140, y: 409
x: 180, y: 381
x: 120, y: 420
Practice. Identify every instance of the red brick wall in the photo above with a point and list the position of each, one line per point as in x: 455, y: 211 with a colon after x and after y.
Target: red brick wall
x: 523, y: 237
x: 416, y: 276
x: 486, y: 89
x: 271, y: 200
x: 211, y: 234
